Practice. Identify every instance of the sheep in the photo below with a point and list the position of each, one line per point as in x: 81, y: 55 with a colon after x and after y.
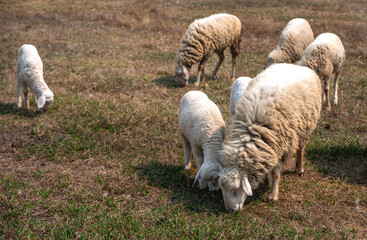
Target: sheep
x: 295, y: 37
x: 203, y: 38
x: 202, y: 129
x: 30, y: 74
x: 274, y: 119
x: 238, y: 88
x: 326, y: 56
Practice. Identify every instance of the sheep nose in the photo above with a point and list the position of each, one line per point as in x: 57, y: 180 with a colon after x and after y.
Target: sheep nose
x: 230, y: 211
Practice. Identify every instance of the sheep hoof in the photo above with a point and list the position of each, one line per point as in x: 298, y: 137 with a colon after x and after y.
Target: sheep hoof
x: 188, y: 166
x: 273, y: 197
x: 211, y: 77
x: 196, y: 84
x: 300, y: 172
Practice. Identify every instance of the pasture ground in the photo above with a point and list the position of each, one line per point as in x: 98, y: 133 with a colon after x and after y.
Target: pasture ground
x: 106, y: 159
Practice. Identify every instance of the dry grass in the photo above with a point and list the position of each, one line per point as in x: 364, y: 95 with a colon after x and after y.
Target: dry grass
x: 105, y: 161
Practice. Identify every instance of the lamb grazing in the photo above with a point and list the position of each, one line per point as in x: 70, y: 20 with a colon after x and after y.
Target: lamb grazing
x: 202, y: 130
x: 326, y: 56
x: 30, y: 74
x: 295, y: 37
x: 203, y: 38
x: 238, y: 88
x: 274, y: 119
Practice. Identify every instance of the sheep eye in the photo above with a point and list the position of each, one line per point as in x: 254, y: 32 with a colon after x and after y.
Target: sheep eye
x: 234, y: 193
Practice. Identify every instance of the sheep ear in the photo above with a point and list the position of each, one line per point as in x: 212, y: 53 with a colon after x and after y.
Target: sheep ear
x: 185, y: 73
x: 197, y: 176
x: 246, y: 186
x: 216, y: 173
x: 41, y: 101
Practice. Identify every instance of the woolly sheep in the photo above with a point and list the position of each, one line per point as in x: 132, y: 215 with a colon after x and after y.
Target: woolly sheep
x: 203, y: 38
x: 30, y: 74
x: 238, y: 88
x: 202, y: 130
x: 295, y: 37
x: 326, y: 56
x: 274, y: 119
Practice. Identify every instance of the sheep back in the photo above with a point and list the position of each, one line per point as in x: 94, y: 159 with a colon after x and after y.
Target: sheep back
x: 29, y: 64
x: 238, y: 88
x: 295, y: 37
x: 200, y: 120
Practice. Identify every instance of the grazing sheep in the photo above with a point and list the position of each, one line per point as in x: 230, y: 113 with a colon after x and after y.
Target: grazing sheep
x: 274, y: 119
x: 295, y: 37
x: 30, y: 74
x: 326, y: 56
x: 202, y: 130
x: 238, y: 88
x: 203, y: 38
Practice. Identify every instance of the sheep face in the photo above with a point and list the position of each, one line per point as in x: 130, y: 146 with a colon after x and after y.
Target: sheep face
x: 268, y: 62
x: 182, y: 75
x: 208, y: 175
x: 234, y: 188
x: 45, y: 100
x: 276, y: 56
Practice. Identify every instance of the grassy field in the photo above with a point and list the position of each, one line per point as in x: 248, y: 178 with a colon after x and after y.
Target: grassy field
x: 106, y: 159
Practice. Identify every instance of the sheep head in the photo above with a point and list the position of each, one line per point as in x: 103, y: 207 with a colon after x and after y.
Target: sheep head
x: 278, y: 55
x: 235, y: 188
x: 208, y: 175
x: 182, y: 75
x: 45, y: 100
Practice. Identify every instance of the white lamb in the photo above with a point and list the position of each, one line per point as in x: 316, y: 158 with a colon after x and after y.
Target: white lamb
x: 238, y: 88
x: 202, y: 130
x: 326, y: 56
x: 295, y: 37
x: 30, y: 74
x: 203, y: 38
x: 274, y: 119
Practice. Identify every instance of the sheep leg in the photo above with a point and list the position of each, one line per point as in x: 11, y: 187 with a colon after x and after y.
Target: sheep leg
x: 325, y: 95
x: 198, y: 155
x: 187, y: 153
x: 299, y: 161
x: 201, y: 70
x: 26, y: 100
x: 19, y: 95
x: 336, y: 86
x: 269, y: 177
x: 274, y: 191
x: 220, y: 61
x: 234, y: 62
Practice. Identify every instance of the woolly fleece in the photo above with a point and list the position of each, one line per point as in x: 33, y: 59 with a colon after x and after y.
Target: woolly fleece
x: 238, y: 88
x: 274, y: 118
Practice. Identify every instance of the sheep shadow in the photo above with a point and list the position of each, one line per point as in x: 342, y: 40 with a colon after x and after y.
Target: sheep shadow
x: 12, y: 109
x: 346, y: 162
x: 180, y: 182
x: 167, y: 82
x: 171, y: 82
